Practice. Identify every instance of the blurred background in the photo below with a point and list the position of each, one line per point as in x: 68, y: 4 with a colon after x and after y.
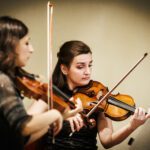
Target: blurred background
x: 117, y: 31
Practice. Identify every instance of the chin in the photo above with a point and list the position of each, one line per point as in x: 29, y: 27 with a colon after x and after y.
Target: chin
x: 85, y: 82
x: 21, y: 65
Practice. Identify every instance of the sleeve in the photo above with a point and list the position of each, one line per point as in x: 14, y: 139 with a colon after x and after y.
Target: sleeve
x: 11, y: 105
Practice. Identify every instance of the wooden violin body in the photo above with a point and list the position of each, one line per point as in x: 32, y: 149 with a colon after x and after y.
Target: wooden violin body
x: 117, y: 107
x: 32, y: 88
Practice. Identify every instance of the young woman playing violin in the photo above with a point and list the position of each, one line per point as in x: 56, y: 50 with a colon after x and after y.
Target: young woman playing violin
x: 73, y: 71
x: 19, y: 127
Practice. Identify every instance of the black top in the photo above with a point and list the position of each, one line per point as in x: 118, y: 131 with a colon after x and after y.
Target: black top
x: 85, y: 139
x: 12, y: 115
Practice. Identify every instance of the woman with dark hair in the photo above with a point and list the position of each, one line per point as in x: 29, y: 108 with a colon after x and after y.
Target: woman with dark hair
x: 73, y: 71
x: 17, y: 127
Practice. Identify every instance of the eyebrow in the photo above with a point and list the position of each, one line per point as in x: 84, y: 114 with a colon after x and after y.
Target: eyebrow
x: 84, y: 62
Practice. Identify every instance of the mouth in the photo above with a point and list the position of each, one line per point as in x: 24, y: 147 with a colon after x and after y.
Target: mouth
x: 86, y: 78
x: 28, y: 57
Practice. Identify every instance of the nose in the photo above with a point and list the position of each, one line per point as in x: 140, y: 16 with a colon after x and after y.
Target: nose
x: 88, y: 71
x: 31, y: 49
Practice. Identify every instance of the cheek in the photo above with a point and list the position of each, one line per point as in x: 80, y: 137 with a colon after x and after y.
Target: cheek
x: 77, y: 74
x: 20, y: 57
x: 21, y: 61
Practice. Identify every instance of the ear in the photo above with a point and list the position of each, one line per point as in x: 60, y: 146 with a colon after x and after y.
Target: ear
x: 64, y: 69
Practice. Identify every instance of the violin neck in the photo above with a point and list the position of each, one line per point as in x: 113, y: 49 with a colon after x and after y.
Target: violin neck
x: 63, y: 95
x: 22, y: 73
x: 113, y: 101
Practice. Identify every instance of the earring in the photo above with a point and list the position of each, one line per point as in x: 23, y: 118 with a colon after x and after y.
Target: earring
x: 64, y: 72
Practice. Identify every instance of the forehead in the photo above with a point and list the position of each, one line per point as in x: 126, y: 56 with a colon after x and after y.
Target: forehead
x: 83, y: 58
x: 25, y: 38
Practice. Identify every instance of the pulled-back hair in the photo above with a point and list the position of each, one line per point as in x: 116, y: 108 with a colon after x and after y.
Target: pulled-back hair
x: 67, y: 52
x: 11, y: 31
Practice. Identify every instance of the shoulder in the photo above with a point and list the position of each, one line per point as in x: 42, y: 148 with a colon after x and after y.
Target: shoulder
x: 5, y: 80
x: 6, y: 84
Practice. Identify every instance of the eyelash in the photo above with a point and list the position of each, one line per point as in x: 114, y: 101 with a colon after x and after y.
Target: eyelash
x: 27, y: 43
x: 90, y: 65
x: 80, y: 67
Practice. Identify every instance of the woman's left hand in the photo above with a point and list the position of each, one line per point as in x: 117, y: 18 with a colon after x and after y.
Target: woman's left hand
x: 139, y: 117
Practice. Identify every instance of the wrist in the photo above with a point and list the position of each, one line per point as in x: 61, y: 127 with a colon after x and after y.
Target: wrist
x: 56, y: 112
x: 131, y: 127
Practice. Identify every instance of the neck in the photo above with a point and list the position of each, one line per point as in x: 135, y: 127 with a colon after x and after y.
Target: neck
x: 71, y: 86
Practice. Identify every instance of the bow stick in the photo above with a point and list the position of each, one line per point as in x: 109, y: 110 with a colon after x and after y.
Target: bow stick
x: 107, y: 95
x: 49, y: 60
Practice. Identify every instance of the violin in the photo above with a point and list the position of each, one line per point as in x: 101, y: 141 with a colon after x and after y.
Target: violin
x: 117, y: 107
x: 89, y: 95
x: 94, y: 96
x: 27, y: 84
x: 30, y: 87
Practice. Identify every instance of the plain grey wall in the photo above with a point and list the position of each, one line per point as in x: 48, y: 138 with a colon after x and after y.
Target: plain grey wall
x: 118, y: 32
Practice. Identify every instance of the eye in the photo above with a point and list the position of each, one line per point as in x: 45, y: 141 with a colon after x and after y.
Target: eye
x: 90, y: 65
x: 27, y: 43
x: 80, y: 67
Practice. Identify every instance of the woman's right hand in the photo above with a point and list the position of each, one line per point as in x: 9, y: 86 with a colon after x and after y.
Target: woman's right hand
x: 71, y: 112
x: 76, y: 122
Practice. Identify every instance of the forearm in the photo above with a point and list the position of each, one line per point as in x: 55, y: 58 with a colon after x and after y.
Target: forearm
x: 38, y: 122
x: 137, y: 119
x: 121, y: 134
x: 109, y: 138
x: 37, y: 107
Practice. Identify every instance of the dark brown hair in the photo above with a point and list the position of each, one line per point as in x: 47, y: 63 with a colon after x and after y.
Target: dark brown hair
x: 11, y: 31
